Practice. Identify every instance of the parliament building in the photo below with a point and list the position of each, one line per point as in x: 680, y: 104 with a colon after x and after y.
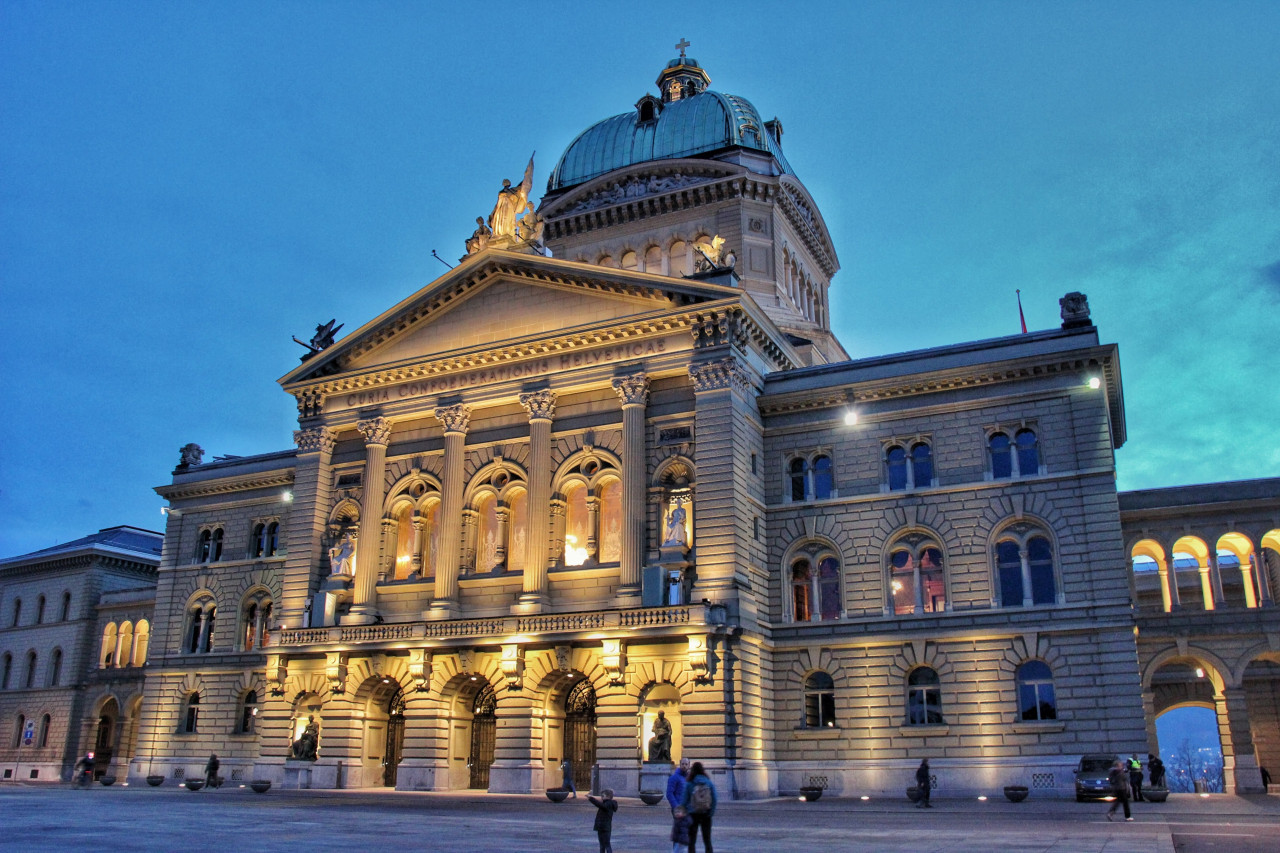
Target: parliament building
x: 616, y: 463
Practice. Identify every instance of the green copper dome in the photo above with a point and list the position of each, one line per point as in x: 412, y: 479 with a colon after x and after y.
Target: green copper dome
x: 691, y: 122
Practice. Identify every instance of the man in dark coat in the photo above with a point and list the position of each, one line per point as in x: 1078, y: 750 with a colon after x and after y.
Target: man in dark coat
x: 1119, y: 779
x: 923, y: 784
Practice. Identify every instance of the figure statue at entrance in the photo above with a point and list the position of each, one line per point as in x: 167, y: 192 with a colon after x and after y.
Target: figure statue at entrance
x: 342, y: 556
x: 660, y: 743
x: 305, y: 747
x: 675, y: 534
x: 510, y: 204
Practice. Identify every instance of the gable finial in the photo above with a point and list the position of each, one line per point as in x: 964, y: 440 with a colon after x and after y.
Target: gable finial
x: 681, y: 45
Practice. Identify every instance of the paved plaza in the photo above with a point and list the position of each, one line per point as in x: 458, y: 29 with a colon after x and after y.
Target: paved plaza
x: 236, y: 819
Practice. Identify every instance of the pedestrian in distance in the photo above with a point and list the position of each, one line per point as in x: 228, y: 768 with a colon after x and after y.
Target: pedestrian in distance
x: 681, y: 830
x: 84, y: 769
x: 923, y: 783
x: 1135, y: 778
x: 566, y: 778
x: 605, y: 807
x: 1156, y: 769
x: 699, y: 802
x: 211, y: 771
x: 1119, y: 779
x: 676, y: 783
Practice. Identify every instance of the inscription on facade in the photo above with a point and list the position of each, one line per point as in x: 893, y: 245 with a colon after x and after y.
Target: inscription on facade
x: 675, y: 435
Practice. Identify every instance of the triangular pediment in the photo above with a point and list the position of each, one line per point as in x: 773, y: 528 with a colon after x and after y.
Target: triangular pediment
x: 497, y: 298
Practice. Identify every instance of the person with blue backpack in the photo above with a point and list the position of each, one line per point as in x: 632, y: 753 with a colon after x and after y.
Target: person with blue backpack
x: 700, y: 803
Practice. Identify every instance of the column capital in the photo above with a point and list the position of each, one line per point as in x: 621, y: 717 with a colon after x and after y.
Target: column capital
x: 541, y: 405
x: 375, y: 430
x: 632, y: 390
x: 314, y: 440
x: 719, y: 374
x: 455, y: 418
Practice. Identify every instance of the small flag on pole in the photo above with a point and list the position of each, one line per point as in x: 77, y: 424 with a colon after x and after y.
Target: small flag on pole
x: 1021, y: 318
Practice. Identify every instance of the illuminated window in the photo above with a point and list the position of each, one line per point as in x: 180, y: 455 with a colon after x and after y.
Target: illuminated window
x: 255, y: 630
x: 107, y: 656
x: 611, y: 521
x: 517, y: 501
x: 917, y: 579
x: 248, y: 713
x: 819, y: 701
x: 404, y: 541
x: 1035, y: 692
x: 924, y: 698
x: 124, y: 644
x: 141, y: 639
x: 576, y: 524
x: 200, y: 624
x: 191, y: 714
x: 815, y: 586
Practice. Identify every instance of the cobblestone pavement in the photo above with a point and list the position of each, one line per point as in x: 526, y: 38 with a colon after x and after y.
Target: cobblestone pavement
x: 235, y: 819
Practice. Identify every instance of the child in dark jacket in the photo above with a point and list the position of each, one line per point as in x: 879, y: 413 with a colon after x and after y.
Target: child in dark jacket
x: 605, y: 807
x: 680, y: 829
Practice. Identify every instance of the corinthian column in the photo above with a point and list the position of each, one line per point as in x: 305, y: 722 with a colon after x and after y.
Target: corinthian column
x: 541, y: 406
x: 364, y: 604
x: 308, y: 514
x: 634, y: 393
x: 456, y: 419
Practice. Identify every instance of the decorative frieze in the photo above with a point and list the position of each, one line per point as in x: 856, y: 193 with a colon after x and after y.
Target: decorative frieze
x: 632, y: 390
x: 314, y: 440
x: 375, y: 431
x: 721, y: 327
x: 539, y: 404
x: 455, y: 418
x: 636, y: 186
x: 310, y: 402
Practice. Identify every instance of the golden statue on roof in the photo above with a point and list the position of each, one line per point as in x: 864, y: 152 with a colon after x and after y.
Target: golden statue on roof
x: 511, y: 203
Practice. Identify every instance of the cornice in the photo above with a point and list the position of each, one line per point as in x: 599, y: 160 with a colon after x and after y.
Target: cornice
x: 83, y: 561
x: 226, y: 485
x: 799, y: 211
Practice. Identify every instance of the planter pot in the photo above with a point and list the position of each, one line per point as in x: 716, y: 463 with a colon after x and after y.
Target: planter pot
x: 651, y: 798
x: 1155, y: 795
x: 260, y: 786
x: 1016, y: 793
x: 155, y: 780
x: 913, y: 794
x: 108, y: 780
x: 557, y: 795
x: 194, y: 784
x: 811, y: 795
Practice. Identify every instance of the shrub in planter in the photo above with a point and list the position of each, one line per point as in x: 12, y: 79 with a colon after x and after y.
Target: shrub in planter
x: 557, y: 795
x: 651, y: 798
x: 1016, y: 793
x: 194, y: 784
x: 811, y: 793
x: 155, y: 780
x: 260, y: 786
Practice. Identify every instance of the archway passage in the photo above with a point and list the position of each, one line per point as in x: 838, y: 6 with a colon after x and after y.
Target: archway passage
x: 1187, y: 726
x: 105, y: 739
x: 484, y: 726
x: 580, y: 732
x: 394, y: 750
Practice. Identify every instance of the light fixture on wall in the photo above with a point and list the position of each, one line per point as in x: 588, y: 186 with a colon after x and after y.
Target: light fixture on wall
x: 1095, y: 383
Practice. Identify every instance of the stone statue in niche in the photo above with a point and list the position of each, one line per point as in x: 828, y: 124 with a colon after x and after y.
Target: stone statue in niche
x: 190, y: 455
x: 511, y: 201
x: 660, y: 743
x: 677, y: 534
x: 305, y: 747
x: 342, y: 557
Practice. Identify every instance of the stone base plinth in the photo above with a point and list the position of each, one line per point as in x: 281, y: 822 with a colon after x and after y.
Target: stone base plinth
x: 654, y: 775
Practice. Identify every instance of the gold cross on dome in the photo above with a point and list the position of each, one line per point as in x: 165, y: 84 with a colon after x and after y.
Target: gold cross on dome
x: 681, y: 45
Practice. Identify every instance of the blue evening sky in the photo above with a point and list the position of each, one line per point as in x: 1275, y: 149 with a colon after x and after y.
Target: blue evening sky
x: 185, y: 185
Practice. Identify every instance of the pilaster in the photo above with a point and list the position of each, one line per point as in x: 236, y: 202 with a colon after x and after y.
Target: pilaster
x: 364, y: 606
x: 456, y: 420
x: 304, y: 533
x: 541, y: 406
x: 634, y: 393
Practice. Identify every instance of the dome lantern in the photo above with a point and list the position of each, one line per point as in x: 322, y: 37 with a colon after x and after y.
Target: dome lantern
x: 683, y: 77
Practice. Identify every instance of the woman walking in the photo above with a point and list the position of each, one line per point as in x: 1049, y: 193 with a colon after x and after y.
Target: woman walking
x: 700, y: 803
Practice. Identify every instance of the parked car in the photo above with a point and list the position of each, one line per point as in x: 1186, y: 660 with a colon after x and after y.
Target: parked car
x: 1092, y: 776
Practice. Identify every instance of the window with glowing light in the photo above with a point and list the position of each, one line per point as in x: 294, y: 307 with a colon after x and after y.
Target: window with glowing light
x: 819, y: 701
x: 576, y: 524
x: 815, y: 586
x: 487, y: 536
x: 124, y: 644
x: 255, y: 621
x: 611, y: 521
x: 190, y: 714
x: 1035, y: 692
x: 924, y: 698
x: 405, y: 535
x: 248, y: 713
x: 917, y: 577
x: 107, y: 653
x: 141, y: 639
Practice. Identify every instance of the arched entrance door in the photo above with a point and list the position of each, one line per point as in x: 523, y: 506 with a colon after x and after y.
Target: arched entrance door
x: 395, y: 739
x: 580, y: 732
x: 484, y: 724
x: 104, y: 739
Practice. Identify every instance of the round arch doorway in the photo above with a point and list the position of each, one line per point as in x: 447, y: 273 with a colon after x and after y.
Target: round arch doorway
x: 104, y: 740
x: 394, y: 749
x: 484, y: 728
x: 580, y: 732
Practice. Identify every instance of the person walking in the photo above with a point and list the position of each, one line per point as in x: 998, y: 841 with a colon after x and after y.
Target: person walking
x: 605, y: 807
x: 923, y: 784
x: 211, y: 771
x: 566, y: 777
x: 700, y: 802
x: 1135, y: 778
x: 1156, y: 770
x: 1119, y: 779
x: 681, y: 830
x: 676, y: 783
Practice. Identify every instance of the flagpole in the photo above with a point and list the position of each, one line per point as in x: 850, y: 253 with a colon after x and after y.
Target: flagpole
x: 1021, y: 318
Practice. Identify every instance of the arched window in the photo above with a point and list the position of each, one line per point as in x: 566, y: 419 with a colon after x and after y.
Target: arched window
x: 575, y: 525
x: 265, y: 539
x: 191, y: 714
x: 6, y: 670
x: 630, y: 260
x: 896, y: 463
x: 31, y: 670
x: 215, y: 547
x: 487, y: 544
x: 248, y: 713
x: 200, y: 623
x: 1028, y: 452
x: 17, y: 730
x: 678, y: 259
x: 921, y: 465
x: 1035, y: 692
x: 607, y: 261
x: 517, y: 501
x: 255, y: 624
x: 45, y: 722
x: 107, y: 655
x: 66, y: 606
x: 611, y: 521
x: 1001, y: 456
x: 819, y: 701
x: 40, y: 610
x: 204, y: 546
x: 653, y: 259
x: 55, y: 667
x: 17, y: 612
x: 924, y: 698
x: 822, y: 482
x: 798, y: 490
x: 801, y: 590
x: 124, y: 644
x: 815, y: 593
x: 405, y: 536
x: 1024, y: 566
x: 141, y: 638
x: 917, y: 579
